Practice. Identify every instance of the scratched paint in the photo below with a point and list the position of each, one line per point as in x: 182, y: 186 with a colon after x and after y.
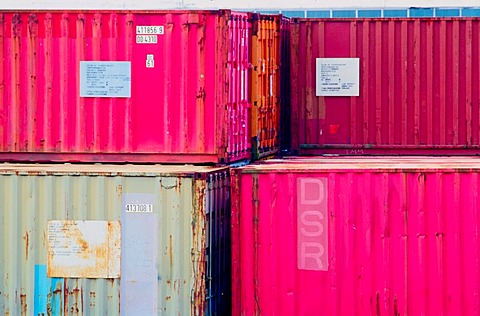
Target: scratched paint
x: 185, y: 200
x: 351, y: 236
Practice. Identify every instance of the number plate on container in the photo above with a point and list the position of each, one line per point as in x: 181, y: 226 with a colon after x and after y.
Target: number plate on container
x: 147, y: 39
x: 139, y: 208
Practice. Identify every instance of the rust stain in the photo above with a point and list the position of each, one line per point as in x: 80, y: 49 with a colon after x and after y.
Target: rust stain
x: 199, y: 248
x: 170, y: 251
x: 23, y: 304
x: 119, y: 190
x: 100, y: 252
x: 26, y: 245
x: 168, y: 298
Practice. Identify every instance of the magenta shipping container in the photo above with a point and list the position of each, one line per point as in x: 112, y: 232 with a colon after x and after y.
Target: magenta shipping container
x: 386, y: 86
x: 371, y: 237
x: 151, y: 86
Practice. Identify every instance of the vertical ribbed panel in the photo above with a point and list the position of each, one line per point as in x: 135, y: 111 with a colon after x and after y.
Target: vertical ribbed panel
x: 402, y: 239
x: 265, y: 90
x: 180, y: 206
x: 191, y: 105
x: 238, y: 73
x: 417, y: 91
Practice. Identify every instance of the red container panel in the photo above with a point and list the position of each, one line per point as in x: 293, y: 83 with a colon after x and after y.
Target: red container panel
x: 419, y: 86
x: 190, y: 104
x: 375, y: 238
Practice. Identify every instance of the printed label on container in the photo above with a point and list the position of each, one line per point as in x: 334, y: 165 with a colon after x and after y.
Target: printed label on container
x: 338, y: 76
x: 147, y: 39
x: 149, y: 29
x: 83, y: 249
x: 105, y: 79
x: 312, y: 224
x: 139, y: 208
x: 150, y: 62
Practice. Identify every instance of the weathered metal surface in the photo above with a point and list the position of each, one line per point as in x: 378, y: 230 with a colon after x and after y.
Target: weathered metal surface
x: 382, y: 237
x: 265, y: 90
x: 418, y: 91
x: 83, y: 249
x: 189, y: 82
x: 182, y: 204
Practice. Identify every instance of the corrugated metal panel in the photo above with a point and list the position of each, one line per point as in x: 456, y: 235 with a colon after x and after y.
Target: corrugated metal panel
x: 191, y: 99
x: 285, y: 86
x: 266, y: 39
x: 165, y: 253
x: 397, y: 238
x: 417, y: 86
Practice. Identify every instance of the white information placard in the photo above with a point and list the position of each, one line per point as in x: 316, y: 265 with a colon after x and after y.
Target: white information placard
x: 338, y: 77
x: 83, y: 249
x: 105, y: 79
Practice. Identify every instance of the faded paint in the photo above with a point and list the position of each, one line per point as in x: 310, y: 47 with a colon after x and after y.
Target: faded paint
x: 31, y: 195
x: 192, y: 106
x: 418, y: 91
x: 83, y: 249
x: 401, y: 236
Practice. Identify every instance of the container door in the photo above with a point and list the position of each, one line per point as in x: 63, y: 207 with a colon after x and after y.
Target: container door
x: 238, y: 63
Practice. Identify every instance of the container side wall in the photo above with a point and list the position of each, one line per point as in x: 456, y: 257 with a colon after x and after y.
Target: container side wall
x: 356, y: 243
x: 189, y: 98
x: 417, y: 91
x: 159, y: 257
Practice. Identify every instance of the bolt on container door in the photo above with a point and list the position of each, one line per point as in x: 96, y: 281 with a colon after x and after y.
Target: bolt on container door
x: 162, y: 86
x: 383, y: 237
x: 417, y: 86
x: 265, y: 84
x: 172, y: 229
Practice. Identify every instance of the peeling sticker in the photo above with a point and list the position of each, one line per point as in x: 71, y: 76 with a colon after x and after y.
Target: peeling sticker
x: 83, y: 249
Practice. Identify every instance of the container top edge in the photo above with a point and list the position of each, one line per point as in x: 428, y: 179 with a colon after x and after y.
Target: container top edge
x: 360, y: 164
x: 107, y: 170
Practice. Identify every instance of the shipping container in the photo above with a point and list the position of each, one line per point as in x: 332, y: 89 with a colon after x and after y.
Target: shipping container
x: 383, y: 237
x: 140, y: 86
x: 111, y: 240
x: 265, y: 90
x: 385, y: 86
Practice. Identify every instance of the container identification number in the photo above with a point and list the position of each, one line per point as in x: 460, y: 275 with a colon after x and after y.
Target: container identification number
x: 139, y: 208
x: 147, y: 39
x: 150, y: 30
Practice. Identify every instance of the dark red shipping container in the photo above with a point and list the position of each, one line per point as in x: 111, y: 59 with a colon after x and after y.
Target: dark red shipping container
x: 161, y: 86
x: 418, y: 86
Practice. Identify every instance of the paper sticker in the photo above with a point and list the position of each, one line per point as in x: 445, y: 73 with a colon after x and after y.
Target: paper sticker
x: 150, y: 62
x: 149, y: 29
x: 146, y: 39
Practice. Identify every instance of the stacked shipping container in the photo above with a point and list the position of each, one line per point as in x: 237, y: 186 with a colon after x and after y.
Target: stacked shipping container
x: 181, y: 96
x: 365, y: 237
x: 418, y: 86
x: 174, y: 240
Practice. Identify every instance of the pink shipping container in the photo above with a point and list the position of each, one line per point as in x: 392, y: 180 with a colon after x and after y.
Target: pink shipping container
x: 378, y: 237
x: 180, y: 95
x: 419, y: 90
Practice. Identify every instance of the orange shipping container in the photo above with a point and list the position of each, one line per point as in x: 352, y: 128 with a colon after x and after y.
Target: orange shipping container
x: 265, y: 90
